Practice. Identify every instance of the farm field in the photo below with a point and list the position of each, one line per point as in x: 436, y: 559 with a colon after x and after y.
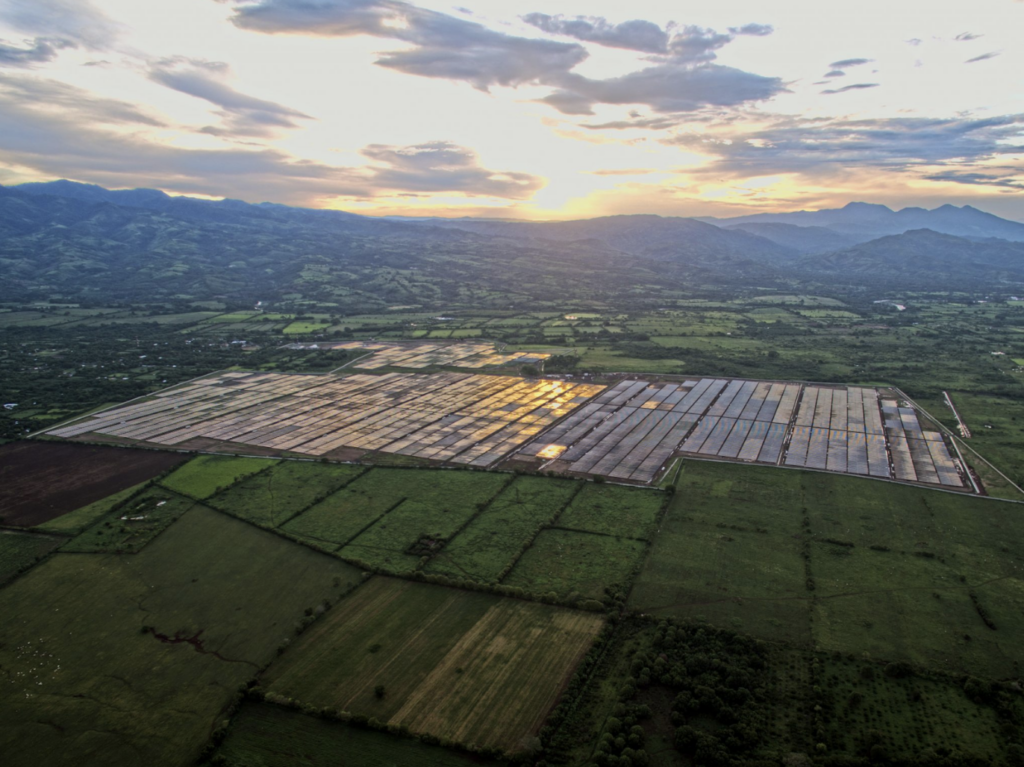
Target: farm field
x: 434, y: 510
x: 438, y: 660
x: 272, y: 497
x: 206, y: 475
x: 842, y: 564
x: 218, y: 596
x: 76, y: 521
x: 40, y: 481
x: 271, y: 736
x: 612, y: 510
x: 19, y: 550
x: 132, y: 525
x: 567, y: 561
x: 493, y: 539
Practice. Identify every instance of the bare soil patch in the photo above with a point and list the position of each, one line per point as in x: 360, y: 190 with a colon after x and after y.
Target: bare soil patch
x: 40, y: 481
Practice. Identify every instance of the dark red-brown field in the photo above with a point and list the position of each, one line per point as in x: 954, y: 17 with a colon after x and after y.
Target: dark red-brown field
x: 42, y: 480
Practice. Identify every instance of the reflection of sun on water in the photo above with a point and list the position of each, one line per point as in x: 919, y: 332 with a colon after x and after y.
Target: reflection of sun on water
x: 551, y: 451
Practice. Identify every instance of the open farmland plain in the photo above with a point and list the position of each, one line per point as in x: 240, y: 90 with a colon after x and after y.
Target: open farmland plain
x: 843, y: 565
x: 472, y: 668
x: 129, y: 660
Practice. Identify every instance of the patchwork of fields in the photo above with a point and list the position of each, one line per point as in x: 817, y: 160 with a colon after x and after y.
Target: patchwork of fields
x: 472, y: 668
x: 151, y: 607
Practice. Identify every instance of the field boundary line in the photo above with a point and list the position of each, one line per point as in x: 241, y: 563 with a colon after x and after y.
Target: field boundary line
x: 476, y: 514
x: 368, y: 525
x: 528, y: 543
x: 920, y: 486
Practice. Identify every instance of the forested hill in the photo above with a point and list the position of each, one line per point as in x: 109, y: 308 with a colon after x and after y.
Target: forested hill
x: 923, y: 255
x: 87, y: 247
x: 85, y: 243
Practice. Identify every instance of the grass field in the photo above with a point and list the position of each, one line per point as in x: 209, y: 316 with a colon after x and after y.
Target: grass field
x: 86, y: 686
x: 437, y: 504
x: 844, y: 563
x: 79, y: 519
x: 493, y: 539
x: 133, y: 525
x: 18, y: 550
x: 613, y: 510
x: 709, y: 559
x: 270, y: 736
x: 566, y: 562
x: 470, y: 667
x: 206, y: 475
x: 274, y: 497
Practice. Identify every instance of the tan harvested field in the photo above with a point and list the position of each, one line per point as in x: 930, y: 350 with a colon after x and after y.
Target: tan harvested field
x: 470, y: 667
x: 459, y: 417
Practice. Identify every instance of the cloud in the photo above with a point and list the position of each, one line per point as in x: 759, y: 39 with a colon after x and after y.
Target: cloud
x: 39, y: 51
x: 636, y: 35
x: 964, y: 37
x: 77, y: 21
x: 444, y: 46
x: 625, y: 172
x: 757, y: 30
x: 440, y: 166
x: 854, y: 87
x: 981, y: 179
x: 243, y: 115
x: 835, y: 73
x: 847, y: 63
x: 63, y: 132
x: 983, y: 57
x: 814, y: 147
x: 76, y: 104
x: 668, y: 87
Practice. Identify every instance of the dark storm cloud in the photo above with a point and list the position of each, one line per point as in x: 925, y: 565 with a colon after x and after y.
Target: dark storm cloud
x: 854, y: 87
x: 445, y: 46
x: 64, y: 132
x: 823, y: 146
x: 440, y: 166
x: 75, y: 21
x: 681, y: 78
x: 636, y: 35
x: 983, y: 57
x: 243, y: 115
x: 38, y: 51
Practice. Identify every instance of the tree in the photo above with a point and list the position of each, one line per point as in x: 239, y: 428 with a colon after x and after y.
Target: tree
x: 379, y: 691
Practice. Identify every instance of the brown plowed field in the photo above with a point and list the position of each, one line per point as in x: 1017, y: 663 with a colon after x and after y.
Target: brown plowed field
x: 40, y: 481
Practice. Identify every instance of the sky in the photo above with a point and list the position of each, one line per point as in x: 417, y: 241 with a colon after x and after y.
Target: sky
x: 549, y: 110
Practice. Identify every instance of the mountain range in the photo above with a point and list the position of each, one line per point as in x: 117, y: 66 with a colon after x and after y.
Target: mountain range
x: 73, y: 238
